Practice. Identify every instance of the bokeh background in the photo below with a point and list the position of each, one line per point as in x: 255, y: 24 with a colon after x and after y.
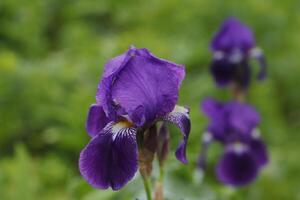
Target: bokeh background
x: 52, y: 54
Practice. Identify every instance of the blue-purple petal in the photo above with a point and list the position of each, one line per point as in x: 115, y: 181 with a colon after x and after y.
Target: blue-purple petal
x: 237, y: 168
x: 242, y: 117
x: 96, y: 120
x: 233, y: 35
x: 111, y: 70
x: 147, y: 87
x: 180, y: 117
x: 259, y: 151
x: 143, y: 86
x: 231, y: 120
x: 110, y: 158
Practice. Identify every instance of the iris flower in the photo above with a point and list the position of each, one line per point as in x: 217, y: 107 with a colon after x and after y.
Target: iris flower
x: 136, y: 91
x: 233, y: 46
x: 234, y: 125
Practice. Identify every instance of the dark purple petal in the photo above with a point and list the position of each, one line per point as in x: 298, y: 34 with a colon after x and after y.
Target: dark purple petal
x: 233, y: 35
x: 110, y: 159
x: 223, y: 71
x: 147, y: 87
x: 96, y: 120
x: 259, y: 151
x: 180, y: 117
x: 242, y: 117
x: 237, y: 167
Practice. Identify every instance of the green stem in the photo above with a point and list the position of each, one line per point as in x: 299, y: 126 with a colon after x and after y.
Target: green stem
x: 147, y: 187
x: 161, y: 174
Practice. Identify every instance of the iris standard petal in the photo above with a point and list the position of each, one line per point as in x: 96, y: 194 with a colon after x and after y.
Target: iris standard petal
x: 96, y: 120
x: 215, y: 111
x: 242, y: 117
x: 233, y: 35
x: 237, y: 167
x: 211, y: 107
x: 147, y: 87
x: 111, y: 70
x: 180, y: 117
x: 110, y: 159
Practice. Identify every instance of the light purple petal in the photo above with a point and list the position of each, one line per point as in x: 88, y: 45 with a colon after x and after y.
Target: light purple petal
x: 110, y: 159
x: 96, y: 120
x: 147, y: 87
x: 237, y: 168
x: 180, y: 117
x: 233, y: 35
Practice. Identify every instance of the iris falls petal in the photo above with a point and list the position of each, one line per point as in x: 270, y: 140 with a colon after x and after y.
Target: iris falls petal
x: 110, y: 158
x: 180, y: 117
x: 237, y: 167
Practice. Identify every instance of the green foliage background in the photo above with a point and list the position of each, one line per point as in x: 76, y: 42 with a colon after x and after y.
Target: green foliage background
x: 51, y: 58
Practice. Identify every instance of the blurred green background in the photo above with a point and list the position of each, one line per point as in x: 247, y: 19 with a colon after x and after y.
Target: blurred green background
x: 52, y: 54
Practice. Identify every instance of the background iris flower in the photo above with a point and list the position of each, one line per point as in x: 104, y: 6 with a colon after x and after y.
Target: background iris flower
x: 234, y: 125
x: 233, y: 46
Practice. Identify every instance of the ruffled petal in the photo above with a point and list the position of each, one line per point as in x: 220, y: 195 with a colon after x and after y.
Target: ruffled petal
x: 237, y: 167
x: 110, y: 159
x: 233, y: 35
x: 147, y: 87
x: 180, y: 117
x: 111, y: 70
x: 96, y: 120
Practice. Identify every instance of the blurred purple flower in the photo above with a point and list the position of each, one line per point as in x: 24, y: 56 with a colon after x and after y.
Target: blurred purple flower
x: 136, y: 91
x: 233, y: 124
x: 232, y: 46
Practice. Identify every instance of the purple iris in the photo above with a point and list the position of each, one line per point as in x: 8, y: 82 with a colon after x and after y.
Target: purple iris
x: 232, y: 46
x: 136, y: 91
x: 234, y: 125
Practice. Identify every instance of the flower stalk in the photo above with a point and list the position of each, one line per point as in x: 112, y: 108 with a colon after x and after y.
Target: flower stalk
x: 147, y: 187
